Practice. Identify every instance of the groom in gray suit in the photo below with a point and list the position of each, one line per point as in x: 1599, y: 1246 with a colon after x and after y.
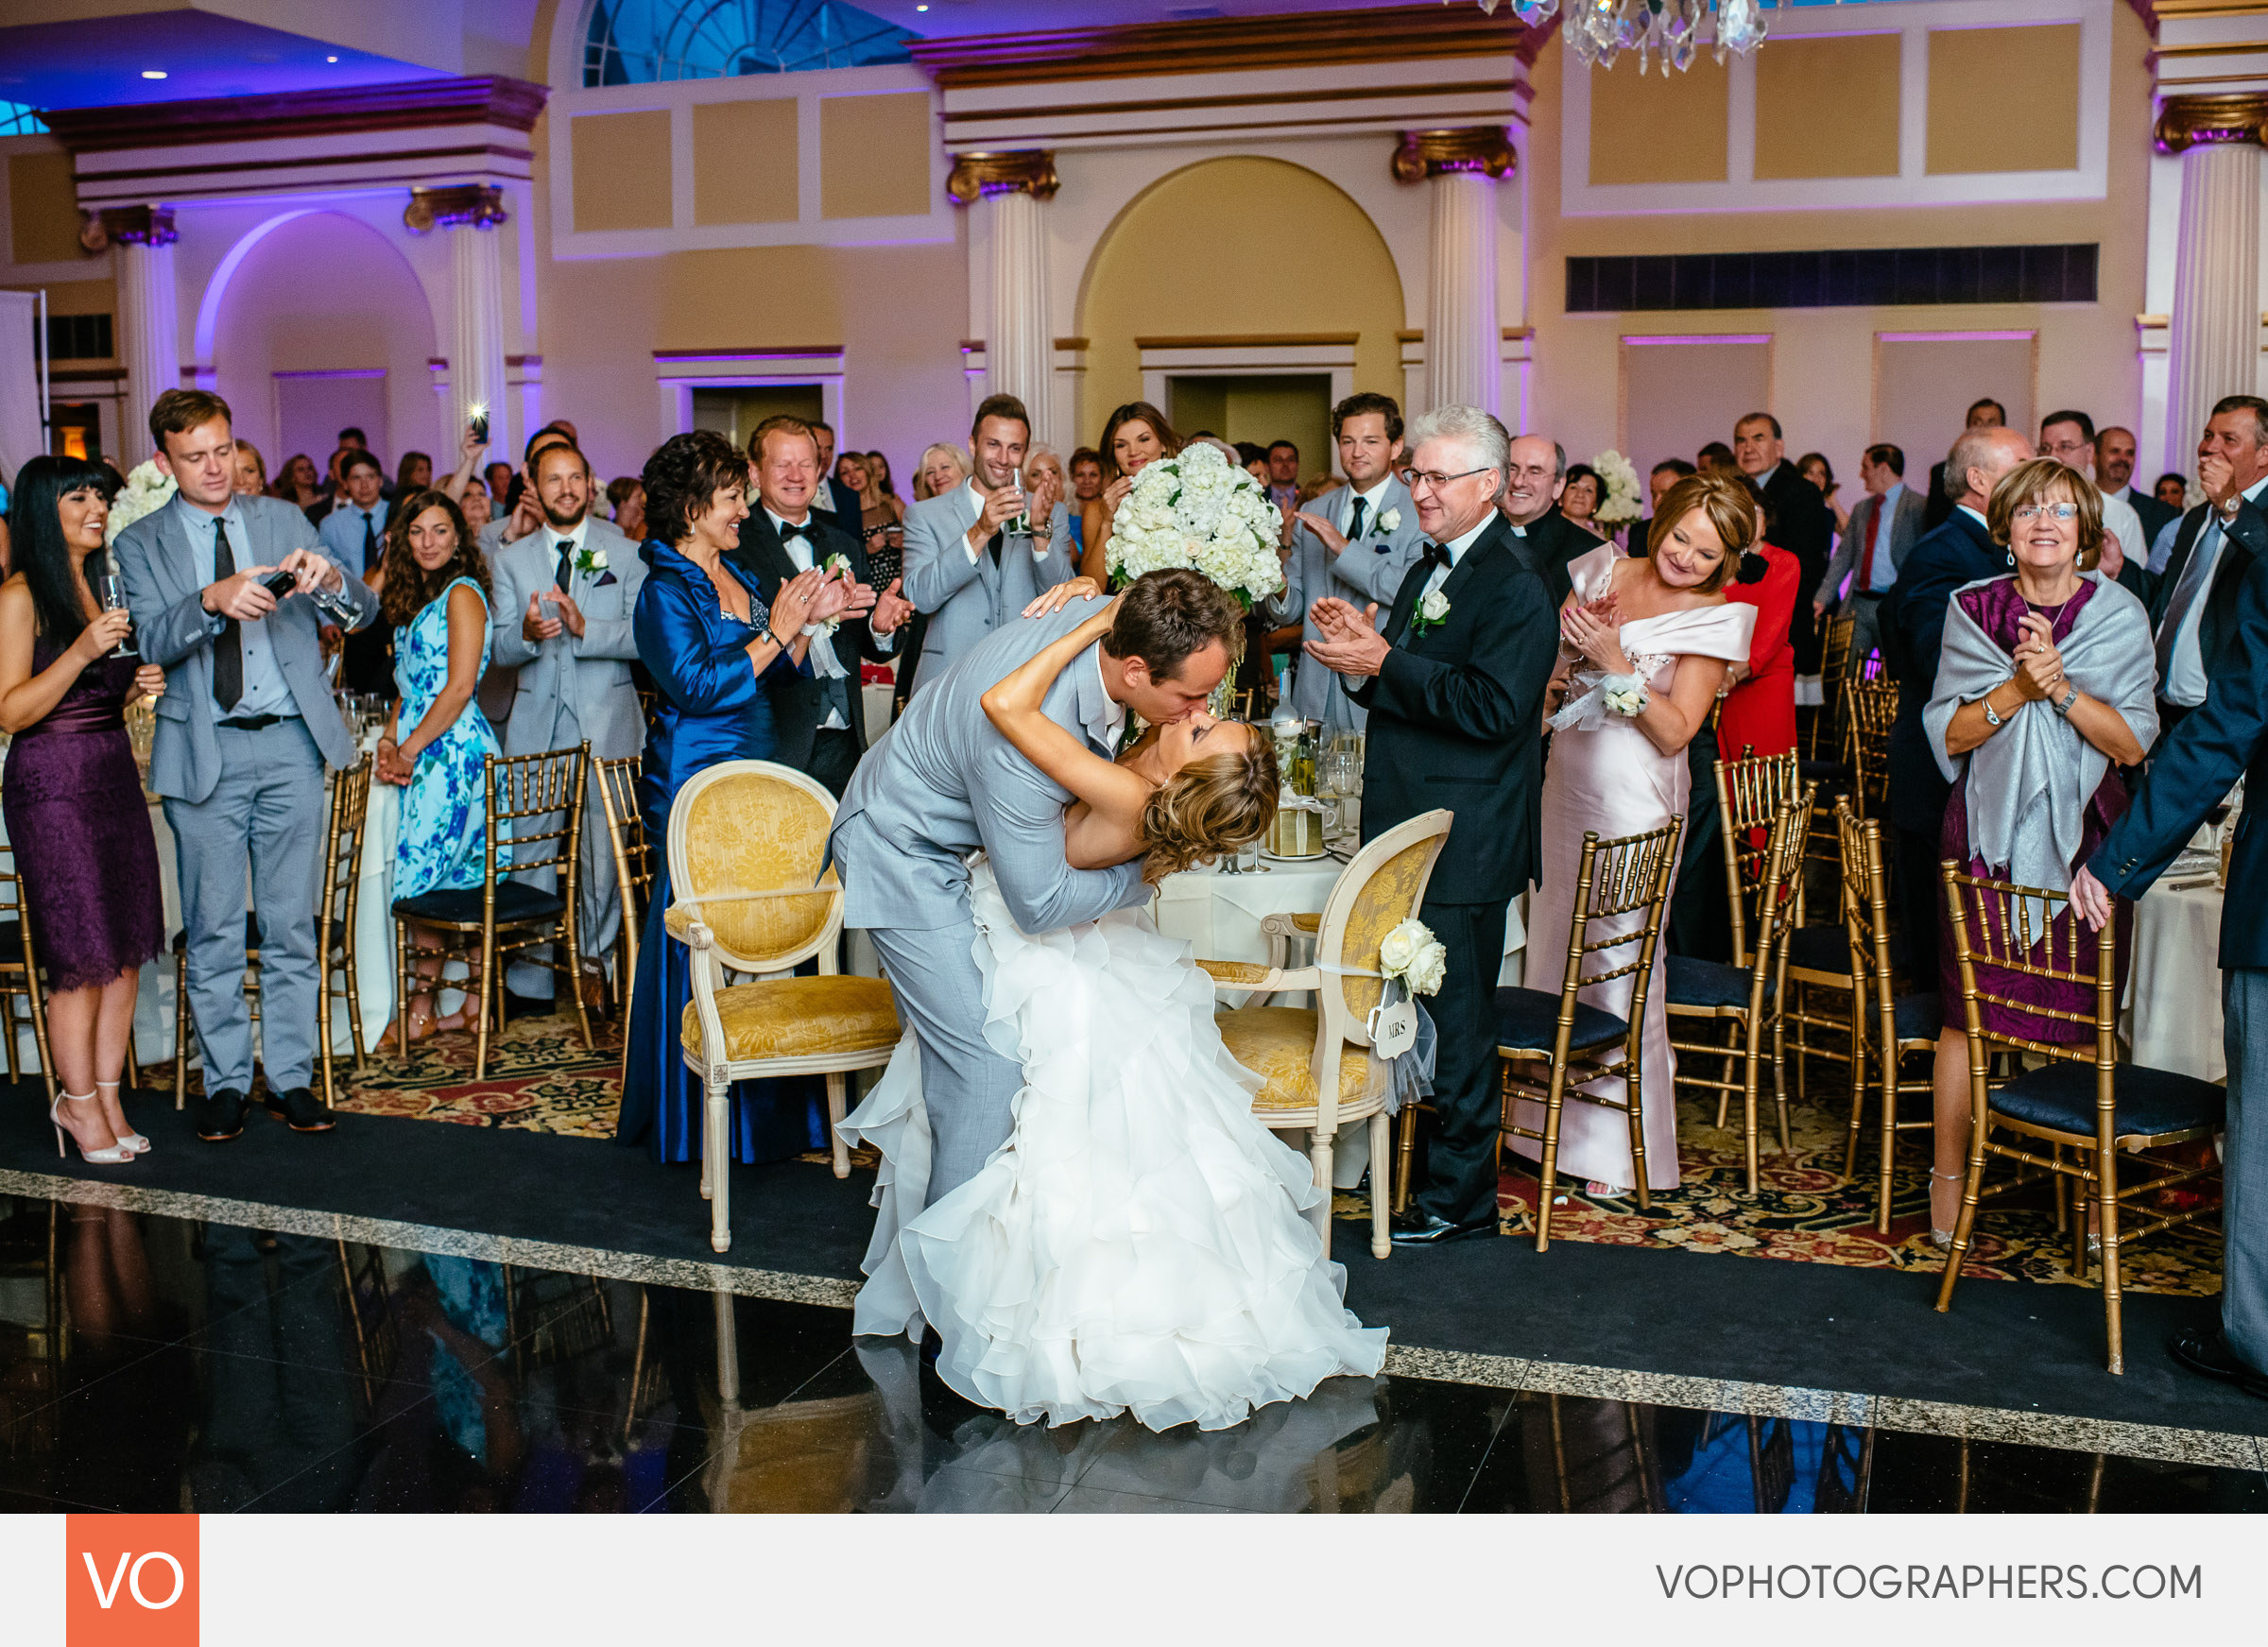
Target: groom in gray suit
x: 943, y: 783
x: 1355, y: 542
x: 243, y: 731
x: 968, y: 564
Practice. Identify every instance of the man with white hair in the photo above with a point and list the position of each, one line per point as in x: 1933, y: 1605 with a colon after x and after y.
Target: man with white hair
x: 1455, y: 679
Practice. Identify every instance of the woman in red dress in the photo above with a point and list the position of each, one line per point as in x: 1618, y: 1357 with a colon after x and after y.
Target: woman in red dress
x: 1758, y: 716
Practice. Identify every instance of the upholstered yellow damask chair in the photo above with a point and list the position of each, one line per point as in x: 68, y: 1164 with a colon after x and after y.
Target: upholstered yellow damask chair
x: 747, y: 839
x: 1315, y: 1061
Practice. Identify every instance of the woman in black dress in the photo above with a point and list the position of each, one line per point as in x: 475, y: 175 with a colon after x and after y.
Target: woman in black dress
x: 86, y: 861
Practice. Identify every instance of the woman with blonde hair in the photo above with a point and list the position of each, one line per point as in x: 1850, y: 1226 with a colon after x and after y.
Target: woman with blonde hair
x: 1647, y: 639
x: 943, y: 465
x: 1140, y: 1243
x: 1135, y: 437
x: 251, y: 470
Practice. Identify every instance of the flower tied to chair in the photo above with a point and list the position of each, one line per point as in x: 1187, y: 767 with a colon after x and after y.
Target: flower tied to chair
x: 1412, y: 962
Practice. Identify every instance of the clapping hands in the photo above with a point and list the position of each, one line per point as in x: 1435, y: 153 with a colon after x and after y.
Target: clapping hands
x: 2038, y: 664
x: 1350, y: 643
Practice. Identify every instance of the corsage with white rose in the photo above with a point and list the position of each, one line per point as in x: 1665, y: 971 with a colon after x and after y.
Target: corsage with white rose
x: 835, y: 566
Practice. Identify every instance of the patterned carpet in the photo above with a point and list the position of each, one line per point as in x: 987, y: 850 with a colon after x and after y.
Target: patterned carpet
x: 540, y: 1076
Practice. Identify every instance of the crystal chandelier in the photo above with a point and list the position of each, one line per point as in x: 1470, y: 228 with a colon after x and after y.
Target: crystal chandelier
x: 1598, y: 31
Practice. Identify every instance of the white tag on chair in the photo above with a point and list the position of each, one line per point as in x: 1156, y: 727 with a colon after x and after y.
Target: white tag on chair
x: 1393, y: 1027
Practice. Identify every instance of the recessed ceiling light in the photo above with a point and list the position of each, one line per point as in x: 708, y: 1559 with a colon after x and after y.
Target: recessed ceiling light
x: 330, y: 60
x: 921, y: 8
x: 153, y: 73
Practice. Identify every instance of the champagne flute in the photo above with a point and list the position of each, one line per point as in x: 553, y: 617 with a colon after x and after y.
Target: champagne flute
x: 110, y: 591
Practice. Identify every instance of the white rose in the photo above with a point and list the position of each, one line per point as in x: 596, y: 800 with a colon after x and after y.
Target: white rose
x: 1390, y: 520
x: 1426, y: 971
x: 1433, y: 607
x: 1401, y: 947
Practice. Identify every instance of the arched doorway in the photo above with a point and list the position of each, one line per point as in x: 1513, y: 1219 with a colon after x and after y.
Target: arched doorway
x: 1261, y: 285
x: 321, y: 324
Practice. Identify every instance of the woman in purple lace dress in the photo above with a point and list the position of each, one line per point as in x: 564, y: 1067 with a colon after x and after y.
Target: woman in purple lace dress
x: 2046, y: 686
x: 86, y: 861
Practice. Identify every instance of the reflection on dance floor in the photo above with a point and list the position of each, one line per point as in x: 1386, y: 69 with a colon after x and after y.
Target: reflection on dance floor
x: 150, y: 1363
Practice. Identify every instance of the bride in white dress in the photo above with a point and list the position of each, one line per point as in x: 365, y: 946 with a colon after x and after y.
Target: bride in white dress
x: 1139, y: 1244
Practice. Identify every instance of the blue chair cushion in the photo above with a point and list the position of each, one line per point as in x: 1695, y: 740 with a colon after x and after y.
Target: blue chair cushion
x: 1825, y: 947
x: 460, y: 905
x: 2062, y: 1095
x: 1529, y: 1019
x: 1917, y: 1017
x: 1698, y: 983
x: 1833, y: 776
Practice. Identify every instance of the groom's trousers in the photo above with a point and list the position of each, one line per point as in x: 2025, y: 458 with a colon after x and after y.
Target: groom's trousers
x: 967, y: 1087
x: 1468, y: 1105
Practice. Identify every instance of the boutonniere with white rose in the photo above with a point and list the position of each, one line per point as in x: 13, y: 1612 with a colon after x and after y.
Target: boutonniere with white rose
x: 590, y: 559
x: 1433, y: 609
x: 1388, y: 523
x: 1413, y: 957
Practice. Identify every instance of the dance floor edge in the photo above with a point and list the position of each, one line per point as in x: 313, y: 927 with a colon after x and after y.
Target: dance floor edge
x: 2012, y: 1360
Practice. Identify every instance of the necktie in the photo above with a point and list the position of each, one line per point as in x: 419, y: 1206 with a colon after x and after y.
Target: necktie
x: 2183, y: 600
x: 1355, y: 524
x: 370, y: 542
x: 1873, y: 524
x: 565, y: 570
x: 228, y: 646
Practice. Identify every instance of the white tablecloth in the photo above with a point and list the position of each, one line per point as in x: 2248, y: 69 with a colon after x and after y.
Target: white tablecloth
x: 2173, y: 987
x: 1220, y: 914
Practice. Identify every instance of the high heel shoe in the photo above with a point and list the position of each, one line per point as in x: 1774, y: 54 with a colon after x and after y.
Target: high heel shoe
x: 1943, y: 1239
x: 110, y: 1157
x: 132, y: 1140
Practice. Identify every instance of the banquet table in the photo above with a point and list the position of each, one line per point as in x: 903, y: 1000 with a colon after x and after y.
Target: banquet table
x: 2173, y: 986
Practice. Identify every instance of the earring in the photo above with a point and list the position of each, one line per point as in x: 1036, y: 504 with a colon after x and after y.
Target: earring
x: 2011, y: 558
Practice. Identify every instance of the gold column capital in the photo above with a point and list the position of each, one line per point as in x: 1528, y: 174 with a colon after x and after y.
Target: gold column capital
x: 461, y: 206
x: 126, y: 226
x: 2195, y: 119
x: 1456, y: 148
x: 1022, y: 171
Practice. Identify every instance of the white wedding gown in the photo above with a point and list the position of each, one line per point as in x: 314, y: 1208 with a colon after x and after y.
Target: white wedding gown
x: 1138, y: 1244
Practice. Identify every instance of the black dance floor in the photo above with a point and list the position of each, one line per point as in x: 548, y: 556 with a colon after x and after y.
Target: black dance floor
x: 2028, y: 1347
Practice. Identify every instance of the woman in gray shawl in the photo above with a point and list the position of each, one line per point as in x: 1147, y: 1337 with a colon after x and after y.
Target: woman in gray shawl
x: 2045, y: 688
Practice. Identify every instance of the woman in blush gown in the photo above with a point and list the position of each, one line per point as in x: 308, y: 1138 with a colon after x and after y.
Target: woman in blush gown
x: 1664, y: 619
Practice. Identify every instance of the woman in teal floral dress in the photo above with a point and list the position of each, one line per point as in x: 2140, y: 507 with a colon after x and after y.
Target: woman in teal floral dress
x: 434, y: 589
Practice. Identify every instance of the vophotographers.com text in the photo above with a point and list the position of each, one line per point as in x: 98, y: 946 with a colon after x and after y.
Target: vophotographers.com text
x: 1915, y: 1581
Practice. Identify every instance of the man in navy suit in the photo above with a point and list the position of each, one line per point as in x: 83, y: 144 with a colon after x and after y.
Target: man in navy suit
x: 2114, y: 473
x: 1912, y: 625
x: 835, y: 500
x: 2190, y: 770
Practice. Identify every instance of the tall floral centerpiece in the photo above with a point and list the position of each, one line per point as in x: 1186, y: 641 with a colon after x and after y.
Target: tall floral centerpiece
x: 147, y: 489
x: 1619, y: 497
x: 1201, y: 511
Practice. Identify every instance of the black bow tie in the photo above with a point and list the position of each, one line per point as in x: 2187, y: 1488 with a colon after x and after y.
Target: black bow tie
x: 1436, y: 555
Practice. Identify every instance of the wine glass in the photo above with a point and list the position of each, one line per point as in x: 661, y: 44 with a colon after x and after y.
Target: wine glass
x: 110, y: 592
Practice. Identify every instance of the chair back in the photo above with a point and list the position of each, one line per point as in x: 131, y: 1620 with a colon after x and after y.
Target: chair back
x: 2014, y: 930
x: 1780, y: 885
x: 535, y: 806
x: 11, y: 909
x: 1617, y: 878
x: 746, y: 840
x: 1866, y: 915
x: 1873, y: 704
x: 342, y: 860
x: 1382, y: 886
x: 1834, y: 666
x: 1750, y: 792
x: 625, y: 833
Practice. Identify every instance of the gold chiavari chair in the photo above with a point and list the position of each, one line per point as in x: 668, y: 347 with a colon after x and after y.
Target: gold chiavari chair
x: 1752, y: 789
x: 1744, y: 997
x: 1885, y: 1026
x: 1578, y: 1043
x: 1827, y: 733
x: 2083, y: 1104
x: 535, y: 821
x: 634, y: 870
x: 20, y: 976
x: 1873, y: 703
x: 335, y: 916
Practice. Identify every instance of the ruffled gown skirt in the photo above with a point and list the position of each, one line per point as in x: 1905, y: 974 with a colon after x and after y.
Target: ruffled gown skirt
x: 1139, y: 1244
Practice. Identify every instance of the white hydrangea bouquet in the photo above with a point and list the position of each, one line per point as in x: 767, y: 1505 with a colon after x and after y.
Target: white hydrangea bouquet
x: 1619, y: 504
x: 147, y: 490
x: 1201, y: 511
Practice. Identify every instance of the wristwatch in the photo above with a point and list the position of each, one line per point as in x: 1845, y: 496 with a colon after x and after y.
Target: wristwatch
x: 2064, y: 708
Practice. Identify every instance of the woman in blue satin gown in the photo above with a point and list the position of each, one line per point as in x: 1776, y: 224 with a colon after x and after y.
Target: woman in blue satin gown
x: 711, y: 651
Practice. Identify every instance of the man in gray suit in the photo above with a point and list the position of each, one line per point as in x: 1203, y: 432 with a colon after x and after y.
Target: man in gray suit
x: 1883, y: 525
x: 1354, y: 542
x: 564, y: 596
x: 943, y: 783
x: 976, y: 556
x: 243, y: 731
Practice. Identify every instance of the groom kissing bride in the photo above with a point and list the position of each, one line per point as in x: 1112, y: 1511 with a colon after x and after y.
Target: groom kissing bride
x: 1079, y: 1213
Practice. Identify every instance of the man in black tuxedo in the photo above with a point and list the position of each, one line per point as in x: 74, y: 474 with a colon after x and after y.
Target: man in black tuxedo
x: 2192, y: 770
x: 820, y: 718
x: 2114, y: 473
x: 1454, y: 682
x: 1662, y: 477
x: 1801, y: 522
x: 1983, y: 414
x: 1911, y: 625
x: 1530, y: 504
x: 2194, y: 602
x: 834, y: 499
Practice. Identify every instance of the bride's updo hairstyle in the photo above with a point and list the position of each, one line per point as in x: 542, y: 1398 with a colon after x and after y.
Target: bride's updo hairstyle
x: 1731, y: 510
x: 1213, y: 805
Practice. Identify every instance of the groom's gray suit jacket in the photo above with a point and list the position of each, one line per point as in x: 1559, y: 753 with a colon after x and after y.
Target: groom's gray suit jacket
x: 943, y: 781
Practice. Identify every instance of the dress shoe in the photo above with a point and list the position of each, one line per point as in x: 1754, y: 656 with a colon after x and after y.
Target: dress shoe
x: 1425, y: 1230
x: 2202, y: 1349
x: 299, y: 1109
x: 220, y: 1115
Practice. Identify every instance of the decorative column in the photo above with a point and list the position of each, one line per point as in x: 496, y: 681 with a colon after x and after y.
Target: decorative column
x: 474, y: 212
x: 149, y: 332
x: 1464, y: 345
x: 1007, y: 190
x: 2214, y: 337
